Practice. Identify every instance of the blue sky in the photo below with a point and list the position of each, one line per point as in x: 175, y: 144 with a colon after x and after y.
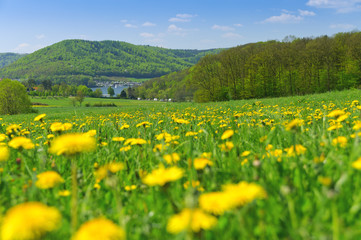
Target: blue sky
x: 28, y: 25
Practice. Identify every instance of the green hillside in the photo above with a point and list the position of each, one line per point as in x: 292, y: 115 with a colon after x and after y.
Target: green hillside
x: 79, y: 58
x: 8, y: 58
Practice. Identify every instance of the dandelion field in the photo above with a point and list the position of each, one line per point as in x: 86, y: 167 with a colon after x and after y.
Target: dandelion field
x: 286, y: 168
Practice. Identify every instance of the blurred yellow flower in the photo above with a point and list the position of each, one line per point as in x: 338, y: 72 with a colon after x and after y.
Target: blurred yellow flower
x: 64, y: 193
x: 233, y: 195
x: 339, y: 141
x: 161, y: 176
x: 21, y: 143
x: 227, y: 134
x: 135, y: 141
x: 190, y: 220
x: 118, y: 139
x: 91, y: 133
x: 294, y: 124
x: 295, y: 150
x: 144, y: 124
x: 201, y: 163
x: 60, y: 127
x: 99, y: 228
x: 28, y: 221
x: 71, y: 144
x: 2, y: 137
x: 130, y: 188
x: 103, y: 171
x: 48, y: 180
x: 40, y: 117
x: 125, y: 149
x: 4, y: 153
x: 226, y: 146
x: 357, y: 164
x: 171, y: 158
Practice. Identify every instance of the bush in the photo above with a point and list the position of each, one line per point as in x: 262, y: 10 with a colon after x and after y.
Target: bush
x: 13, y: 98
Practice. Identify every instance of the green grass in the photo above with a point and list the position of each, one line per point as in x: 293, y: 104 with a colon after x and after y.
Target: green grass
x: 307, y: 198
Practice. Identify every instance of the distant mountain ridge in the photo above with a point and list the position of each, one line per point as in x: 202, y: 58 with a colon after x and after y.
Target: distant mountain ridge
x: 8, y: 58
x: 71, y: 58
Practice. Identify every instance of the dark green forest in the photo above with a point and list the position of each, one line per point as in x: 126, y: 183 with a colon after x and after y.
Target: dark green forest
x: 8, y: 58
x: 294, y: 66
x: 80, y: 60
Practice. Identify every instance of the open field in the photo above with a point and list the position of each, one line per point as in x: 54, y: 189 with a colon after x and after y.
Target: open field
x: 286, y: 168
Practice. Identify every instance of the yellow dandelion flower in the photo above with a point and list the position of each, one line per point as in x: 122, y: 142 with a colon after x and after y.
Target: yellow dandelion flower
x: 294, y: 124
x: 103, y: 171
x: 336, y: 113
x: 125, y: 149
x: 326, y: 181
x: 295, y: 150
x: 130, y: 188
x: 144, y: 124
x: 195, y: 184
x: 201, y: 163
x: 4, y: 153
x: 2, y: 137
x: 21, y: 143
x: 357, y: 164
x: 161, y: 176
x: 245, y: 153
x: 227, y: 134
x: 190, y: 220
x: 99, y: 228
x: 180, y: 121
x: 118, y: 139
x: 48, y: 180
x: 124, y: 126
x: 40, y: 117
x: 171, y: 158
x: 14, y: 128
x: 64, y: 193
x: 135, y: 141
x: 29, y: 221
x: 72, y: 143
x: 340, y: 141
x: 233, y: 195
x: 91, y: 133
x: 226, y: 146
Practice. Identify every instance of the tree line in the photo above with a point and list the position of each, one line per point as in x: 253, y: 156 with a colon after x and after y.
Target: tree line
x: 294, y: 66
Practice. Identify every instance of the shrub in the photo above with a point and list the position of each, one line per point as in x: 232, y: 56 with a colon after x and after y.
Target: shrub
x: 13, y: 98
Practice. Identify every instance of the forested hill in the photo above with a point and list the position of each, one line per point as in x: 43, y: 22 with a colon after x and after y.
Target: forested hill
x: 270, y: 69
x: 71, y: 58
x: 8, y: 58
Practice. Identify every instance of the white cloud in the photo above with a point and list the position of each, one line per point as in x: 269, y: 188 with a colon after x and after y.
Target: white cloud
x: 175, y: 19
x: 182, y: 17
x: 123, y: 20
x: 21, y: 46
x: 284, y: 18
x: 148, y: 24
x: 231, y: 35
x: 176, y: 30
x: 341, y: 6
x: 238, y: 25
x: 306, y: 13
x: 128, y: 25
x: 222, y: 28
x: 146, y: 35
x: 343, y: 26
x: 40, y: 36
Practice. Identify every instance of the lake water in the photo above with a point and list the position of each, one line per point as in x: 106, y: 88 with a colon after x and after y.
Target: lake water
x: 117, y: 90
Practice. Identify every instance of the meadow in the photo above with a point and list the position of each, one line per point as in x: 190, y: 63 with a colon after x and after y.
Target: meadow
x: 278, y: 168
